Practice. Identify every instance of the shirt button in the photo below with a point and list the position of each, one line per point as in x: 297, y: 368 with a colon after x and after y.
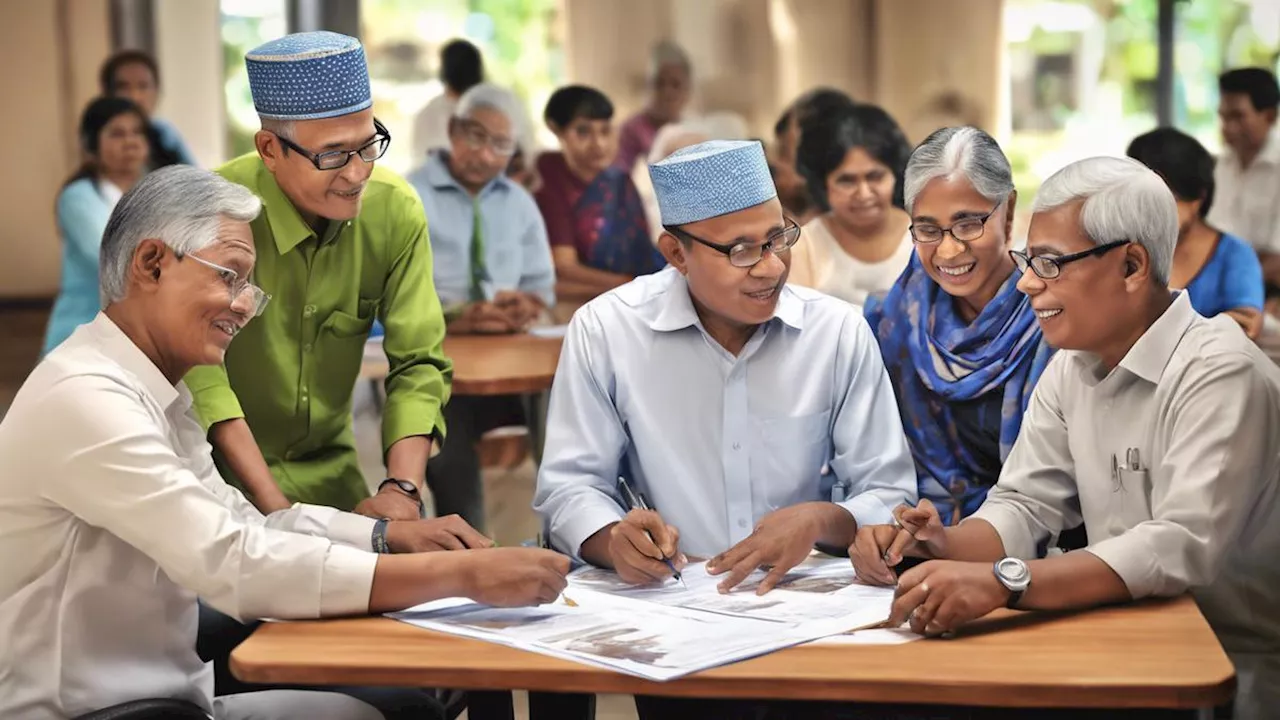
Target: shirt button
x: 306, y: 347
x: 742, y: 522
x: 737, y: 446
x: 308, y: 311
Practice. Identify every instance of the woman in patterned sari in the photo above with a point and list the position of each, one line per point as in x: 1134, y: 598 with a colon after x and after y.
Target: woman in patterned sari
x: 595, y: 218
x: 961, y: 344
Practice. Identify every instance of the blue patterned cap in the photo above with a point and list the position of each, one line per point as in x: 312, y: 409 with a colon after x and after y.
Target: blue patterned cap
x: 308, y: 76
x: 711, y: 179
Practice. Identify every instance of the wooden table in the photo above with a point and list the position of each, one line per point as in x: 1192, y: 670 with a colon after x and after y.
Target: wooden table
x: 1155, y: 654
x: 492, y: 364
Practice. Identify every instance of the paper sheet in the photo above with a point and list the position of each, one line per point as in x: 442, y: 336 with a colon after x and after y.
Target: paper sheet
x: 666, y: 631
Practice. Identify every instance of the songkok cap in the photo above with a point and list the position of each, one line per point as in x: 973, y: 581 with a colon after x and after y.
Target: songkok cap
x: 308, y: 76
x: 711, y: 179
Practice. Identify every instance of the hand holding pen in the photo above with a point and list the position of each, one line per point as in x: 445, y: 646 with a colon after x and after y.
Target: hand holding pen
x: 643, y: 548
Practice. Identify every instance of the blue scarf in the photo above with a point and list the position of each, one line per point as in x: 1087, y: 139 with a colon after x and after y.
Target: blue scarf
x: 935, y: 358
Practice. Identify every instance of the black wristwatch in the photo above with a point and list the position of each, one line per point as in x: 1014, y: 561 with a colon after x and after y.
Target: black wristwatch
x: 409, y: 489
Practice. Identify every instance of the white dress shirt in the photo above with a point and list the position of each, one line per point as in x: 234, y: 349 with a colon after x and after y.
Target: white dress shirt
x: 1195, y: 406
x: 113, y: 520
x: 715, y: 441
x: 1246, y: 201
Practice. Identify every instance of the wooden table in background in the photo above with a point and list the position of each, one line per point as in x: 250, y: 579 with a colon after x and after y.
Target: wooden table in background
x: 492, y: 364
x: 1155, y: 654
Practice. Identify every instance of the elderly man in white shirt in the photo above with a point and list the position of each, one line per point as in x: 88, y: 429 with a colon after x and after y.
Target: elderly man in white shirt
x: 1156, y: 427
x: 113, y: 518
x: 1247, y: 174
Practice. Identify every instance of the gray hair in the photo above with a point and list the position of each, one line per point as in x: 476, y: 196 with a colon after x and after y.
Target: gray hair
x: 1123, y: 200
x: 281, y: 128
x: 959, y: 151
x: 179, y: 205
x: 667, y: 53
x: 487, y: 96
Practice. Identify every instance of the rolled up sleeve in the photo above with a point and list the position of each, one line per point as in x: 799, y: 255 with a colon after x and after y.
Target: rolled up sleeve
x: 871, y: 456
x: 1035, y: 497
x: 585, y: 441
x: 1220, y: 450
x: 119, y: 472
x: 418, y: 381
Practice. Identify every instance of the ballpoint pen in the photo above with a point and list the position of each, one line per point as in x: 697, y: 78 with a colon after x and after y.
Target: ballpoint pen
x: 635, y: 501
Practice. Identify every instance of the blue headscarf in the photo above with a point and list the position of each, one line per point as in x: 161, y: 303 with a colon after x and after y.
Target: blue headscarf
x: 935, y: 358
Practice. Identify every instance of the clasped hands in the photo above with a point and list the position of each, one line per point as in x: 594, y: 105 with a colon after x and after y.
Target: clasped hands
x: 937, y: 596
x: 509, y: 312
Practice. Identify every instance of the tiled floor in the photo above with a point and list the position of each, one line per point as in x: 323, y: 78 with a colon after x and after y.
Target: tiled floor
x: 508, y: 492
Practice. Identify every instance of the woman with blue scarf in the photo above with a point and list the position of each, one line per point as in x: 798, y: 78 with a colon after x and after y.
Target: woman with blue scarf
x: 961, y: 344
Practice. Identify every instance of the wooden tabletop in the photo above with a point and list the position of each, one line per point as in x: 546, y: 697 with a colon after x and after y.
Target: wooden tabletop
x: 492, y: 364
x: 1156, y: 654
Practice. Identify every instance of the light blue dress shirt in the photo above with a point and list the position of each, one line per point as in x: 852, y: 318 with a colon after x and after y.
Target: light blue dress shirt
x: 517, y: 254
x: 717, y: 442
x: 83, y: 210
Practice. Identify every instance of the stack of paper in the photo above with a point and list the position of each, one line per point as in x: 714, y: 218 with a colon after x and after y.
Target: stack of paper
x: 667, y: 631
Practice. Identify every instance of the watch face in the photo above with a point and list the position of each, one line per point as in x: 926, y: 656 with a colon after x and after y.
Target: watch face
x: 1014, y: 573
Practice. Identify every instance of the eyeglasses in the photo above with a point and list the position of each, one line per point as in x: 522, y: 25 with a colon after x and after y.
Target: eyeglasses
x: 745, y: 255
x: 965, y: 231
x: 337, y: 159
x: 478, y: 138
x: 1048, y: 267
x: 237, y: 286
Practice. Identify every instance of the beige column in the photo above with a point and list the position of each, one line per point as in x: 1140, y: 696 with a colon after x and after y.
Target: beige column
x: 189, y: 52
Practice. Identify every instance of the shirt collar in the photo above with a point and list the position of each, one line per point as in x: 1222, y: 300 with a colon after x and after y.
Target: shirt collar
x: 287, y: 226
x: 120, y: 348
x: 1149, y: 356
x: 441, y: 178
x: 677, y: 311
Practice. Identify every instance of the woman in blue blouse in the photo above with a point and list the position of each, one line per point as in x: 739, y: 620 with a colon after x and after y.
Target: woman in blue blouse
x: 1220, y: 272
x: 113, y: 137
x: 961, y: 344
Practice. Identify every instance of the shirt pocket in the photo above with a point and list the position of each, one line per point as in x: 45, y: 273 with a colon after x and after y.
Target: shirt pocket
x: 787, y: 458
x: 338, y: 354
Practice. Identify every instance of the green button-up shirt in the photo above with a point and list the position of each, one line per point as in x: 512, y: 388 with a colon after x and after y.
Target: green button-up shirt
x: 290, y: 373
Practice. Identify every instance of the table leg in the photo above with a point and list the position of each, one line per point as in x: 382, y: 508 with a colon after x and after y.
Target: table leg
x: 535, y: 411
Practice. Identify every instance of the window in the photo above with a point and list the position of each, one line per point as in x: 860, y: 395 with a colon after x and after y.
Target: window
x: 246, y: 24
x: 519, y: 39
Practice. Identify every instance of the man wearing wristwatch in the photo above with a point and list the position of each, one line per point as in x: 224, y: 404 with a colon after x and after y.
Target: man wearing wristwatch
x: 339, y: 243
x: 1156, y: 427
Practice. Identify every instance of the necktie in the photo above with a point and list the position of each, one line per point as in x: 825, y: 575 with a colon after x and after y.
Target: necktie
x: 478, y: 273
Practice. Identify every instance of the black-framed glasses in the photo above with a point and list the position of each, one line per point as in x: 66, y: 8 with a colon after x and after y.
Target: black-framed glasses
x: 338, y: 159
x: 478, y: 137
x: 237, y: 286
x: 1048, y: 267
x: 965, y: 230
x: 745, y: 255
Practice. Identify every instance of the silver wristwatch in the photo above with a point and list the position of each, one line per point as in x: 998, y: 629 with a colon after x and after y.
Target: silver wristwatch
x: 1014, y: 575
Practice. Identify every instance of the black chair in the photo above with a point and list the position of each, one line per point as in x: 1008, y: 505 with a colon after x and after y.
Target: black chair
x: 152, y: 709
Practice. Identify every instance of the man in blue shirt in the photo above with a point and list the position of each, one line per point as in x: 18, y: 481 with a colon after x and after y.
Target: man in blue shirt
x: 492, y: 270
x: 733, y: 402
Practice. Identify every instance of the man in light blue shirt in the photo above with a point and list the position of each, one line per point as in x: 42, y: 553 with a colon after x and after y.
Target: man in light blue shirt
x: 733, y: 402
x: 492, y: 270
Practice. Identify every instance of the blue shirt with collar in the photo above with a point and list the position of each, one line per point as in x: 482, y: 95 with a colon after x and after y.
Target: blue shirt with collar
x: 715, y: 441
x: 517, y: 253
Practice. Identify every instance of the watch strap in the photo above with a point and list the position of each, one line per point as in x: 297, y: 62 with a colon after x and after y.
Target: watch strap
x: 408, y: 488
x: 1014, y: 597
x: 380, y: 544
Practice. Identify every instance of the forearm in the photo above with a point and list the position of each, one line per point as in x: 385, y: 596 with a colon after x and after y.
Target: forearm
x: 407, y: 459
x: 595, y: 549
x: 402, y: 581
x: 235, y: 441
x: 974, y: 540
x: 834, y: 525
x: 1075, y: 580
x: 1270, y: 267
x: 1249, y: 319
x: 571, y: 274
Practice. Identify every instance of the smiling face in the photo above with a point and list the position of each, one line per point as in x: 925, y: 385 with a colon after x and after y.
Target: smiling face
x: 327, y: 194
x: 199, y: 314
x: 972, y: 271
x: 1078, y: 309
x: 860, y: 191
x: 734, y: 296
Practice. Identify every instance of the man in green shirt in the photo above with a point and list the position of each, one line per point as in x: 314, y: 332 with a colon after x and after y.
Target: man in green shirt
x: 339, y: 242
